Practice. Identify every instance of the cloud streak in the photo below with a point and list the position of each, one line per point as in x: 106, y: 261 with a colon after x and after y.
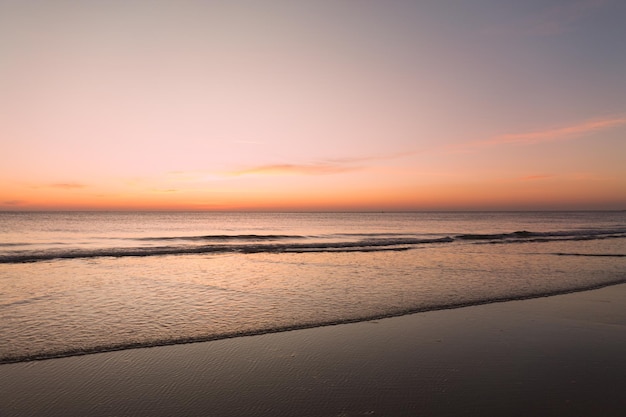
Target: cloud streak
x: 68, y: 185
x: 567, y: 132
x: 546, y: 135
x: 294, y: 169
x: 164, y: 190
x: 323, y: 167
x: 62, y: 186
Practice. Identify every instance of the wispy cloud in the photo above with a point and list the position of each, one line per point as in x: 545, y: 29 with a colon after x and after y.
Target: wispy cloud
x: 546, y: 135
x: 62, y: 185
x: 561, y: 133
x: 321, y: 167
x: 68, y: 185
x: 164, y: 190
x: 294, y: 169
x: 552, y: 21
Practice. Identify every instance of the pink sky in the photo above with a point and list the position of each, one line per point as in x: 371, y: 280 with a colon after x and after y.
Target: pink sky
x: 298, y: 105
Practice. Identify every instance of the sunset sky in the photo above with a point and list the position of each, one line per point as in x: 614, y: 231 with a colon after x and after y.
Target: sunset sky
x: 313, y: 105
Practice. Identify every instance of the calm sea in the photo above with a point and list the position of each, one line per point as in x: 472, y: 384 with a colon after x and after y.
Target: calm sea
x: 81, y: 282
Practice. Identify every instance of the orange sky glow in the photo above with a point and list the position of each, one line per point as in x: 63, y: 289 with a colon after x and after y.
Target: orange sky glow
x: 356, y: 105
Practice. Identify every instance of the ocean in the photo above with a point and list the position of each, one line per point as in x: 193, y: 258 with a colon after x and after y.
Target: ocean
x: 74, y: 283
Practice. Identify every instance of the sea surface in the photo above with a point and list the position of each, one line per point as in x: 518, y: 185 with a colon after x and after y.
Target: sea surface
x: 83, y: 282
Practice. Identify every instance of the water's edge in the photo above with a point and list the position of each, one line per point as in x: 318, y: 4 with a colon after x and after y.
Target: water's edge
x: 301, y: 326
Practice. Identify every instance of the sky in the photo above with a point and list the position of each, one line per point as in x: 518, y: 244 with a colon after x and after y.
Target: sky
x: 313, y: 105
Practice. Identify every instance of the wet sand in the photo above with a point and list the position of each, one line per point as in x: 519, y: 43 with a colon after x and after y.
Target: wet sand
x: 563, y: 356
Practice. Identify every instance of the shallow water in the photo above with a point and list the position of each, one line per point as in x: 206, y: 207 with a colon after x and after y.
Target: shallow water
x: 73, y: 283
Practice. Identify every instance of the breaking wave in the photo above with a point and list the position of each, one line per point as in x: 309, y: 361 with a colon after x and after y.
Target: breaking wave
x: 216, y: 244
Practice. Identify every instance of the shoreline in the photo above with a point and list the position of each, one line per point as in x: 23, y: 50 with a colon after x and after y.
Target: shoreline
x: 304, y: 326
x: 556, y: 355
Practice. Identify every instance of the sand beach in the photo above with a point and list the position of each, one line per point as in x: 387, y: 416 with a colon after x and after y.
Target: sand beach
x: 560, y: 355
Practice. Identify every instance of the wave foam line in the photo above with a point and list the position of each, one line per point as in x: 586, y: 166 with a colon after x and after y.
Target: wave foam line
x: 219, y: 238
x: 363, y: 246
x: 300, y: 326
x: 526, y: 235
x: 369, y: 244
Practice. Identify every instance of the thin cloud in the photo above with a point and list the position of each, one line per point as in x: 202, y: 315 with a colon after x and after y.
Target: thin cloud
x: 63, y: 185
x: 323, y: 167
x: 167, y: 190
x: 294, y: 169
x: 567, y: 132
x: 547, y: 135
